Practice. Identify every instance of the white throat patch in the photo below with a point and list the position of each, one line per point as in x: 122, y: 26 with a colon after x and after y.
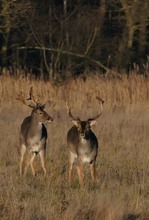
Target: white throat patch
x: 83, y: 141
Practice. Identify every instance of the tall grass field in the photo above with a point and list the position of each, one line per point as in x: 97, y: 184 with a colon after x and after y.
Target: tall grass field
x: 121, y: 191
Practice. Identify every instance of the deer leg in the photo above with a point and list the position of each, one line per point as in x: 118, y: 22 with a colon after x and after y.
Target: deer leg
x: 42, y: 158
x: 93, y: 171
x: 31, y: 162
x: 29, y: 154
x: 26, y: 167
x: 22, y: 153
x: 80, y: 172
x: 70, y: 174
x: 72, y: 157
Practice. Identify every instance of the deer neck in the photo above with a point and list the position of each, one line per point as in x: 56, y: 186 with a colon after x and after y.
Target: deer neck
x: 83, y: 140
x: 35, y: 126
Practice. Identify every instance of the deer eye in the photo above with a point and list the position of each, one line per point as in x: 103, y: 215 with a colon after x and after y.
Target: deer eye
x: 88, y: 127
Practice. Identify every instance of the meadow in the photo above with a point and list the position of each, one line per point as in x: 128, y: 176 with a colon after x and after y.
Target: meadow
x: 121, y: 191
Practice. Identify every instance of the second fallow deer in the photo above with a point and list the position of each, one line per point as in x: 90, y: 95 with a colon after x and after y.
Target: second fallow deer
x: 82, y: 144
x: 33, y: 134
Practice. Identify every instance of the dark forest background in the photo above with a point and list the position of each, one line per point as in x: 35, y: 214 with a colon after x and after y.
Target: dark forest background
x: 62, y: 38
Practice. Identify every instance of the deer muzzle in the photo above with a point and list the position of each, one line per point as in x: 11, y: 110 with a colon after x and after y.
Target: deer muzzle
x: 50, y: 119
x: 82, y: 134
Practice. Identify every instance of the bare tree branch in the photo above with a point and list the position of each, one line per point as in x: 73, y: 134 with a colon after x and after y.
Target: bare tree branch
x: 90, y: 41
x: 68, y: 53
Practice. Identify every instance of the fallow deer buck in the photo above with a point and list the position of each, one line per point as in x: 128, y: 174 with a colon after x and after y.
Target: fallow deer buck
x: 82, y: 144
x: 33, y: 134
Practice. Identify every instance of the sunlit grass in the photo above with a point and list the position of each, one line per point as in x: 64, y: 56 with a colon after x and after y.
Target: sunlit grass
x: 121, y: 191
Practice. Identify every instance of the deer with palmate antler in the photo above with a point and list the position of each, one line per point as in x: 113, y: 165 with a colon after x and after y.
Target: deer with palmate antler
x: 33, y: 134
x: 82, y: 144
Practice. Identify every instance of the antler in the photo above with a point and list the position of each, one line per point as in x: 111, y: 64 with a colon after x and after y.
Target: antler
x: 31, y: 96
x: 101, y: 109
x: 22, y: 99
x: 69, y: 112
x: 100, y: 99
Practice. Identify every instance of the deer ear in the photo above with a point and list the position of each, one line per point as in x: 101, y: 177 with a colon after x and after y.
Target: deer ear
x: 75, y: 122
x: 43, y: 106
x: 92, y: 122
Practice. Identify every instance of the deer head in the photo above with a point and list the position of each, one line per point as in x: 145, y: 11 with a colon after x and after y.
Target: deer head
x: 37, y: 108
x: 85, y: 126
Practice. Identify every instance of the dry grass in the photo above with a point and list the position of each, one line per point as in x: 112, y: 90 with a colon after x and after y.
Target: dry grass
x: 122, y: 188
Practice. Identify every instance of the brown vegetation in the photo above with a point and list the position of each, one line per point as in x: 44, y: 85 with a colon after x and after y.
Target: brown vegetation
x: 122, y: 188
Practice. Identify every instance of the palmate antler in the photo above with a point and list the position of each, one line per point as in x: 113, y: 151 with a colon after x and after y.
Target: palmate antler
x: 22, y: 99
x: 31, y: 96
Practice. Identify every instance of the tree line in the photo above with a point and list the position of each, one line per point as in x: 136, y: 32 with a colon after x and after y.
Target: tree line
x: 61, y: 38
